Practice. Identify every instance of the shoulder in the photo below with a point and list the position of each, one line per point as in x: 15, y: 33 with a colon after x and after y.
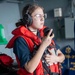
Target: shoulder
x: 20, y: 40
x: 20, y: 45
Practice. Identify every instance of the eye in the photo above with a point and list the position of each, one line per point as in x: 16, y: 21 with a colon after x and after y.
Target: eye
x: 38, y: 15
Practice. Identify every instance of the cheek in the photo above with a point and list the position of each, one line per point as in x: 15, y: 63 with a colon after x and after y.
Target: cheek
x: 36, y: 23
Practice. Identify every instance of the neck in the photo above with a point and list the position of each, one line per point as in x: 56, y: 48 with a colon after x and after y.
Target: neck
x: 33, y: 30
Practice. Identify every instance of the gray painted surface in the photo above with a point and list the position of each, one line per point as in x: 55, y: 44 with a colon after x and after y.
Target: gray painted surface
x: 9, y: 15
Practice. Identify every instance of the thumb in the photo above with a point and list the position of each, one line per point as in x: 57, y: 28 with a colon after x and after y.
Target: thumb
x: 49, y: 51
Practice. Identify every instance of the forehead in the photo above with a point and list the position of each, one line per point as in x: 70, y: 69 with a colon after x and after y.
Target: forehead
x: 38, y: 11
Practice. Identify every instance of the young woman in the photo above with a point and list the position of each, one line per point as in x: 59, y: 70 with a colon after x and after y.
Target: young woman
x: 28, y: 46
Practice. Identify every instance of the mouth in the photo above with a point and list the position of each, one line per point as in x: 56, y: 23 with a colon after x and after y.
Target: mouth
x: 42, y: 23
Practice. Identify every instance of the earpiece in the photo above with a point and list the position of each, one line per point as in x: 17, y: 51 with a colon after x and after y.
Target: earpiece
x: 27, y: 19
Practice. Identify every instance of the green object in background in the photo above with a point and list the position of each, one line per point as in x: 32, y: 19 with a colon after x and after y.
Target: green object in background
x: 2, y: 36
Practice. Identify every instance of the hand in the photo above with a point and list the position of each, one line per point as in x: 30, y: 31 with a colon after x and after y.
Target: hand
x: 47, y: 39
x: 51, y: 58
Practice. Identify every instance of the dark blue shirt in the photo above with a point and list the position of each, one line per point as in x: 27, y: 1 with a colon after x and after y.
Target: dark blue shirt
x: 22, y: 51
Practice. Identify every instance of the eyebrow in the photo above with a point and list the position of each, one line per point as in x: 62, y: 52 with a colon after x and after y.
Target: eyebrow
x: 39, y: 14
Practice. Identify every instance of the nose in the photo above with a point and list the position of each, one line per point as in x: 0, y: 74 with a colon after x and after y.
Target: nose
x: 42, y: 18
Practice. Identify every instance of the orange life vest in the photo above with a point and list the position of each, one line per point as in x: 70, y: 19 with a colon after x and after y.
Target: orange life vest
x: 29, y: 36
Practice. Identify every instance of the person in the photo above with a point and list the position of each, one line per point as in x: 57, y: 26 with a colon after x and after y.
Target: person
x: 29, y: 43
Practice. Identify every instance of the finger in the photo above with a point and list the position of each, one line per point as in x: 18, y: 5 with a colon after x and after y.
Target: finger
x: 47, y: 58
x: 52, y: 36
x: 50, y: 63
x: 47, y: 55
x: 50, y: 32
x: 47, y: 61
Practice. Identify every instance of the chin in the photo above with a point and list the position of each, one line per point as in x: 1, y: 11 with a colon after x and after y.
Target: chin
x: 40, y: 27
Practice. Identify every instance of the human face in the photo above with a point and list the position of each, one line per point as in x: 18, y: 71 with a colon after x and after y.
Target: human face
x: 38, y: 18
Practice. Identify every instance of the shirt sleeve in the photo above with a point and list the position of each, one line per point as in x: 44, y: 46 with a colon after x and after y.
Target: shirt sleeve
x: 22, y: 51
